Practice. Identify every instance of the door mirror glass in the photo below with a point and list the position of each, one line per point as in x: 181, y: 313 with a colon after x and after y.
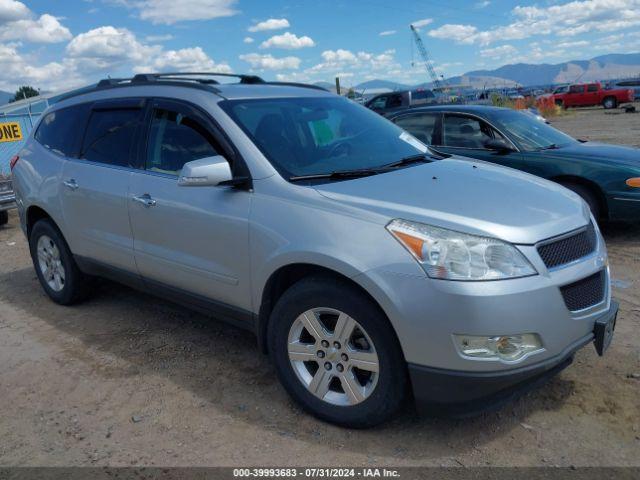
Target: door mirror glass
x: 498, y: 145
x: 206, y: 172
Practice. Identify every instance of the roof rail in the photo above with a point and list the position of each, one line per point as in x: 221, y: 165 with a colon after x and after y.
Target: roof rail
x: 150, y: 77
x: 296, y: 84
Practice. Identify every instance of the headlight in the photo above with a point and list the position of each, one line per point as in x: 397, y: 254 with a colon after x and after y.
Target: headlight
x: 451, y: 255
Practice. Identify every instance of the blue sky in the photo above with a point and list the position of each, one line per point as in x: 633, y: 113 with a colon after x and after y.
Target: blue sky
x: 60, y: 44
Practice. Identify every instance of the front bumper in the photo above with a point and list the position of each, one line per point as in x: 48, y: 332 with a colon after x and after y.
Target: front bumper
x: 467, y: 393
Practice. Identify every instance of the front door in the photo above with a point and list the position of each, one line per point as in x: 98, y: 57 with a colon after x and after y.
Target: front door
x: 192, y: 239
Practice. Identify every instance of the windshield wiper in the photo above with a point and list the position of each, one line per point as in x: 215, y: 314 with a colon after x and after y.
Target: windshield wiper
x: 420, y: 158
x: 553, y: 146
x: 338, y: 174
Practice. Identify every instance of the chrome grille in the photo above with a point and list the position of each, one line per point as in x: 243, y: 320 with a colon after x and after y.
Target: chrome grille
x: 584, y: 293
x: 568, y: 249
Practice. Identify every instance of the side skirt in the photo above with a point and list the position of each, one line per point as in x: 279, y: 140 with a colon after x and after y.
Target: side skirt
x: 219, y: 311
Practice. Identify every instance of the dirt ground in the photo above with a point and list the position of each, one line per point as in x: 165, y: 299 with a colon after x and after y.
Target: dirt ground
x: 127, y: 379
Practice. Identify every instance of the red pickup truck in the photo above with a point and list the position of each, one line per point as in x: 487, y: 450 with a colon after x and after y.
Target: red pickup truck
x: 589, y: 94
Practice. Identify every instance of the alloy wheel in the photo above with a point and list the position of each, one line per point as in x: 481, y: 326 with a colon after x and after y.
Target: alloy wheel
x: 50, y: 263
x: 333, y: 356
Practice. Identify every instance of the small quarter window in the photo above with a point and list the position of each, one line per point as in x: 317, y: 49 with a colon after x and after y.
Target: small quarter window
x: 60, y: 130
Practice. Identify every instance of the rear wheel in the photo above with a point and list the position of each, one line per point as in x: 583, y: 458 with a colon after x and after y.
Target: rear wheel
x: 588, y: 196
x: 4, y: 217
x: 609, y: 102
x: 54, y: 264
x: 336, y: 353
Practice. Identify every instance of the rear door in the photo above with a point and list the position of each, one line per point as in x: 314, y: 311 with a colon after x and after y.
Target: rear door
x: 592, y: 94
x: 96, y: 184
x: 194, y: 239
x: 575, y: 96
x: 422, y: 125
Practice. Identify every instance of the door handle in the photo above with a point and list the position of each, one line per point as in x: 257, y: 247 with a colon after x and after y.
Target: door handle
x: 72, y: 184
x: 145, y: 200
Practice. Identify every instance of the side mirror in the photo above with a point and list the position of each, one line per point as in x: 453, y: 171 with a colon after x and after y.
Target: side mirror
x: 498, y: 145
x: 206, y: 172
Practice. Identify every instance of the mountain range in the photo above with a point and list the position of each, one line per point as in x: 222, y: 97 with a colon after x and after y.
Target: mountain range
x: 603, y: 67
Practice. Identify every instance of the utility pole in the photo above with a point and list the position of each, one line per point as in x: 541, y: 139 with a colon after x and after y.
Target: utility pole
x: 338, y: 85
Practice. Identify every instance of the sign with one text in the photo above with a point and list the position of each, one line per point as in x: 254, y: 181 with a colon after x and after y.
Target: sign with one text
x: 10, y: 132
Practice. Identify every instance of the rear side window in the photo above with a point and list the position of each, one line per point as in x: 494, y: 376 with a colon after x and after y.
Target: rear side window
x: 60, y: 131
x: 420, y: 125
x: 175, y: 139
x: 110, y: 135
x: 592, y: 88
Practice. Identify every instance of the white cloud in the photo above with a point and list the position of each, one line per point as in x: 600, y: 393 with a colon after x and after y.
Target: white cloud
x: 271, y: 24
x: 339, y: 55
x: 499, y: 52
x: 569, y: 19
x: 483, y: 4
x: 186, y: 60
x: 579, y: 43
x: 168, y: 12
x: 11, y: 10
x: 457, y: 33
x: 106, y: 47
x: 269, y: 62
x: 288, y: 41
x: 422, y: 23
x: 386, y: 33
x: 158, y: 38
x: 248, y: 40
x: 17, y: 22
x: 46, y: 29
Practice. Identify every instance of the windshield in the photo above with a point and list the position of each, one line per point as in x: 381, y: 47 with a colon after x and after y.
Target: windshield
x: 309, y: 136
x: 530, y: 133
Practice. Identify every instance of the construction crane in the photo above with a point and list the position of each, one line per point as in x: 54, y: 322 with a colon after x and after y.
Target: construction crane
x: 427, y: 60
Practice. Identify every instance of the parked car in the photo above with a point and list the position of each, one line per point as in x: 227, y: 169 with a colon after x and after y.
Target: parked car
x: 607, y: 177
x: 365, y: 264
x: 7, y: 199
x: 633, y: 84
x: 388, y: 103
x: 590, y: 94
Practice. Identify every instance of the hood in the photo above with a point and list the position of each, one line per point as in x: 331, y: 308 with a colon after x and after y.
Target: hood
x: 605, y: 153
x: 470, y: 196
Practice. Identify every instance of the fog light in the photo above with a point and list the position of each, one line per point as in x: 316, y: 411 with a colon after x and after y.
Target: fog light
x: 504, y: 347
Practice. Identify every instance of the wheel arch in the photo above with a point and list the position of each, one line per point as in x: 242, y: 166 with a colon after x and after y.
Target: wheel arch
x: 287, y: 275
x: 591, y: 185
x: 35, y: 213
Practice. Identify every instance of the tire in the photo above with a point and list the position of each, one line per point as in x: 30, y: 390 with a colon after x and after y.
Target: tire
x: 377, y: 396
x: 4, y: 217
x: 62, y: 281
x: 609, y: 103
x: 559, y: 103
x: 588, y: 196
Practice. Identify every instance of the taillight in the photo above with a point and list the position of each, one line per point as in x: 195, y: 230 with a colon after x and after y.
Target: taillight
x: 13, y: 161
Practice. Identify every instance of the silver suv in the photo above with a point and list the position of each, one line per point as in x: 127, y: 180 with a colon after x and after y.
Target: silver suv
x: 369, y: 268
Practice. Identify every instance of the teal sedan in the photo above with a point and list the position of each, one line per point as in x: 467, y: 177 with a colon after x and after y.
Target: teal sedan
x: 607, y: 177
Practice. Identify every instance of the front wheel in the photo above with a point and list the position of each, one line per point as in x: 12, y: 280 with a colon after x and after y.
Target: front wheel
x: 55, y: 267
x: 336, y: 353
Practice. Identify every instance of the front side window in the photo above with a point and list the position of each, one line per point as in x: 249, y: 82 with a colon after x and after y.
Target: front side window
x: 466, y: 132
x: 60, y: 130
x: 176, y: 139
x: 528, y: 132
x: 319, y: 135
x: 380, y: 102
x: 110, y: 135
x: 420, y: 125
x: 576, y: 89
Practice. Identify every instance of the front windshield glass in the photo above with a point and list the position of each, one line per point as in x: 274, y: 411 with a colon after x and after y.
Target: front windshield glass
x: 530, y: 133
x: 321, y: 135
